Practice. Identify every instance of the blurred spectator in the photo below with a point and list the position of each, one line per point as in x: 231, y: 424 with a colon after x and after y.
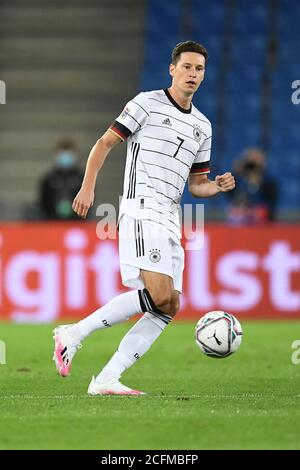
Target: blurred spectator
x: 60, y: 186
x: 255, y: 196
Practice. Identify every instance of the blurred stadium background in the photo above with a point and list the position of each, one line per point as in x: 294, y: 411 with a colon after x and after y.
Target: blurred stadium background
x: 69, y: 68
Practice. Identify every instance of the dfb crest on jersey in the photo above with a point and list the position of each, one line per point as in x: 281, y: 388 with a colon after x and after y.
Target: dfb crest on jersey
x: 155, y: 256
x: 197, y: 132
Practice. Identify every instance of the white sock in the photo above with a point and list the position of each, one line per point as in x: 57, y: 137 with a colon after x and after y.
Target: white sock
x: 133, y: 346
x: 117, y: 310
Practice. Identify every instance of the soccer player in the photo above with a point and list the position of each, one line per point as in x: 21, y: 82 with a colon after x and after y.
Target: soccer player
x: 168, y: 143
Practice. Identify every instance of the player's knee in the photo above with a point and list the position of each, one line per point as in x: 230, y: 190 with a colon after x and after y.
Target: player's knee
x: 161, y: 298
x: 175, y: 304
x: 172, y: 307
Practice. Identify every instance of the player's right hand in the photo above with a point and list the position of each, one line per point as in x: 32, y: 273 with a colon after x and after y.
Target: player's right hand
x: 82, y: 202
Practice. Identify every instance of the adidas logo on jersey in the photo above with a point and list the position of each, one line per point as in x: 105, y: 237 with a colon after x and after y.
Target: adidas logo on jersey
x: 167, y: 122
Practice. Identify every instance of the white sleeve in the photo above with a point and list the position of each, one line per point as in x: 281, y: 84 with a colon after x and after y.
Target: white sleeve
x: 133, y: 117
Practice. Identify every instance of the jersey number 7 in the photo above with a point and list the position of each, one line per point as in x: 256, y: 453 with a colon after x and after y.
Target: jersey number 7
x: 179, y: 145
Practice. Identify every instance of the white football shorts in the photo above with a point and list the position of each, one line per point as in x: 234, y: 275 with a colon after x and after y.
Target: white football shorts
x: 147, y: 245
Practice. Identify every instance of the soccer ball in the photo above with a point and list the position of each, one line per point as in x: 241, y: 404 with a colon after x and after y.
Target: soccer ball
x: 218, y: 334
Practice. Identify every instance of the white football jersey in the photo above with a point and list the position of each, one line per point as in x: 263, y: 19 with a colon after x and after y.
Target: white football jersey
x: 165, y: 144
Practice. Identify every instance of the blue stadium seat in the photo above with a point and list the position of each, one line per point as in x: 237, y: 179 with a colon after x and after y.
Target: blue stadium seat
x: 241, y: 135
x: 163, y: 19
x: 208, y: 16
x: 244, y: 105
x: 245, y: 78
x: 206, y: 103
x: 284, y: 143
x: 288, y: 52
x: 249, y: 49
x: 251, y: 17
x: 289, y: 17
x: 158, y: 50
x: 289, y: 194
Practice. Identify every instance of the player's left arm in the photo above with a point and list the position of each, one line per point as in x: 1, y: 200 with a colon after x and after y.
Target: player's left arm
x: 201, y: 186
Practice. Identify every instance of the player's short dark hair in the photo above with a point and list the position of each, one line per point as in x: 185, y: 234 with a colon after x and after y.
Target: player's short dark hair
x: 188, y: 46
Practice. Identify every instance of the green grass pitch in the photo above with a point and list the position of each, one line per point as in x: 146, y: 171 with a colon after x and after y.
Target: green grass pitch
x: 250, y: 400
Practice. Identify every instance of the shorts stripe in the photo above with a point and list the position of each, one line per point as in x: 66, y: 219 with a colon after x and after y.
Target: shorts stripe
x: 135, y: 148
x: 142, y: 234
x: 139, y: 239
x: 136, y: 239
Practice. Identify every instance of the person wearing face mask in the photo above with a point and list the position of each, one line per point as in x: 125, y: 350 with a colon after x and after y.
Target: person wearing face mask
x: 59, y: 186
x: 255, y: 197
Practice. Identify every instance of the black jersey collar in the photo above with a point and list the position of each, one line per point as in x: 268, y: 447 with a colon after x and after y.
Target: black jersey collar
x: 185, y: 111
